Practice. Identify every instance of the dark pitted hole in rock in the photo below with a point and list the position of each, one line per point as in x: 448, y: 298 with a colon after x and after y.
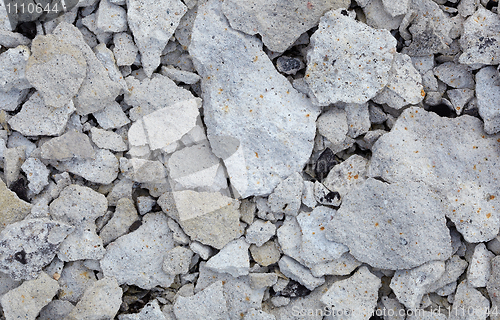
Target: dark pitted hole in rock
x: 21, y: 257
x: 344, y: 12
x: 443, y: 110
x: 326, y: 161
x: 20, y: 188
x: 135, y: 226
x: 400, y: 41
x: 27, y: 29
x: 293, y: 290
x: 491, y: 4
x: 332, y: 196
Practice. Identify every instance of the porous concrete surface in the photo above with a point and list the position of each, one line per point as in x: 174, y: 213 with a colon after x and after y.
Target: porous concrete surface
x: 251, y: 159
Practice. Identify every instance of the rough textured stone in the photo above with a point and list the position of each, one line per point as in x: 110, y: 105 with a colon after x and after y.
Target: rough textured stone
x: 347, y: 175
x: 13, y: 208
x: 357, y: 68
x: 26, y: 301
x: 37, y: 174
x: 488, y: 93
x: 56, y: 69
x: 56, y: 309
x: 152, y: 24
x: 151, y: 311
x: 125, y: 50
x: 286, y: 197
x: 81, y: 244
x: 266, y: 254
x: 454, y: 158
x: 469, y: 304
x: 493, y: 286
x: 259, y: 232
x: 68, y: 146
x: 232, y: 259
x: 75, y: 279
x: 281, y: 119
x: 356, y: 297
x: 29, y: 245
x: 108, y: 140
x: 454, y: 267
x: 383, y: 225
x: 480, y: 266
x: 208, y: 304
x: 103, y: 168
x: 294, y: 270
x: 124, y: 216
x: 455, y: 75
x: 128, y: 259
x: 342, y: 266
x: 100, y: 301
x: 279, y: 23
x: 13, y: 69
x: 177, y: 261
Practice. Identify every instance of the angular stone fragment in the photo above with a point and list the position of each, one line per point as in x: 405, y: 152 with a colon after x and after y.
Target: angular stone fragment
x: 396, y: 7
x: 100, y: 301
x: 469, y: 304
x: 455, y: 75
x: 97, y: 90
x: 480, y: 41
x: 125, y: 50
x: 454, y: 267
x: 9, y: 101
x: 459, y: 98
x: 151, y: 311
x: 107, y: 140
x: 357, y: 68
x: 13, y: 208
x: 29, y: 245
x: 391, y: 218
x: 378, y: 17
x: 409, y: 286
x: 480, y: 266
x: 13, y: 69
x: 253, y: 314
x: 75, y: 279
x: 259, y: 232
x: 325, y: 196
x: 342, y: 266
x: 36, y: 119
x: 488, y: 93
x: 111, y: 117
x: 294, y: 270
x: 232, y: 259
x: 26, y: 301
x: 56, y: 309
x: 493, y: 286
x: 347, y: 175
x: 125, y: 215
x: 68, y: 146
x: 180, y: 75
x: 82, y: 244
x: 210, y: 218
x: 208, y: 304
x: 266, y: 254
x: 37, y: 174
x: 103, y: 168
x: 128, y: 259
x: 286, y: 197
x: 281, y: 119
x: 177, y: 261
x: 56, y: 69
x: 356, y: 296
x: 152, y: 24
x: 279, y: 23
x: 315, y: 247
x: 454, y: 157
x: 110, y: 17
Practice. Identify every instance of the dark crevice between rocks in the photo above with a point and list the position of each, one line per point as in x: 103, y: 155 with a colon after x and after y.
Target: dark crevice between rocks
x: 27, y: 29
x: 443, y: 110
x: 20, y: 188
x: 292, y: 290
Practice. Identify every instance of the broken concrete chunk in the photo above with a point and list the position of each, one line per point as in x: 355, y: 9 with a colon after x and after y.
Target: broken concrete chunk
x: 110, y: 17
x: 106, y: 57
x: 180, y: 75
x: 463, y: 175
x: 356, y: 295
x: 177, y: 261
x: 280, y: 24
x: 480, y: 266
x: 455, y: 75
x: 266, y: 254
x: 286, y: 197
x: 111, y: 117
x: 396, y: 7
x: 454, y: 267
x: 124, y: 216
x: 210, y: 304
x: 13, y: 208
x: 391, y: 218
x: 128, y: 259
x: 151, y: 311
x: 9, y: 101
x: 142, y: 171
x: 26, y: 301
x: 333, y: 125
x: 378, y: 17
x: 82, y: 244
x: 152, y: 24
x: 294, y: 270
x: 345, y: 265
x: 68, y: 146
x: 56, y: 309
x: 259, y: 232
x: 36, y: 119
x: 107, y: 140
x: 29, y: 245
x: 125, y: 50
x: 13, y: 69
x: 102, y: 300
x: 488, y: 93
x: 230, y: 108
x: 347, y: 175
x: 409, y: 286
x: 75, y: 279
x: 493, y: 285
x: 325, y: 196
x: 358, y: 119
x: 232, y: 259
x: 358, y: 68
x: 468, y: 298
x: 480, y: 41
x: 103, y: 168
x: 37, y: 174
x: 56, y: 69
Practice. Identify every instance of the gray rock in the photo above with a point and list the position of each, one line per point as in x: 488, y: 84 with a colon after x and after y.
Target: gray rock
x: 56, y: 309
x: 358, y: 119
x: 409, y: 286
x: 177, y: 261
x: 83, y: 243
x: 469, y: 299
x: 308, y: 195
x: 111, y: 117
x: 143, y: 171
x: 13, y: 208
x: 266, y: 254
x: 152, y: 25
x: 290, y: 238
x: 230, y: 108
x: 232, y: 259
x: 464, y: 179
x: 97, y: 90
x: 178, y: 234
x: 210, y: 218
x: 202, y: 250
x: 286, y: 197
x: 455, y: 75
x: 259, y: 232
x: 56, y: 69
x: 342, y: 266
x: 107, y: 59
x: 396, y: 7
x: 280, y: 24
x: 13, y: 70
x: 383, y: 216
x: 358, y: 67
x: 29, y: 245
x: 180, y: 75
x: 145, y: 204
x: 253, y: 314
x: 75, y: 279
x: 151, y: 311
x: 454, y: 267
x: 493, y: 286
x: 107, y: 140
x: 480, y: 42
x: 480, y: 266
x: 36, y: 119
x: 294, y: 270
x: 333, y: 125
x: 488, y: 93
x: 325, y: 196
x: 208, y: 304
x: 37, y: 174
x: 378, y: 17
x: 9, y: 101
x: 356, y: 297
x: 68, y: 146
x: 100, y: 301
x: 13, y: 160
x: 128, y: 259
x: 459, y: 98
x: 26, y: 301
x: 110, y: 17
x: 347, y: 175
x: 125, y: 50
x: 467, y: 7
x: 124, y: 216
x: 102, y: 169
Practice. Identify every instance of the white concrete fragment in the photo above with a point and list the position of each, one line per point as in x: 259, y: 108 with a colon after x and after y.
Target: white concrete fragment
x: 103, y: 168
x: 396, y: 7
x: 345, y: 265
x: 125, y: 50
x: 266, y: 254
x: 294, y: 270
x: 71, y: 145
x: 177, y: 261
x: 81, y: 244
x: 107, y: 139
x: 180, y: 75
x: 259, y: 232
x: 488, y: 93
x: 282, y: 120
x: 208, y: 304
x: 128, y: 259
x: 232, y: 259
x: 468, y: 298
x: 357, y: 68
x: 111, y: 117
x: 286, y: 197
x: 455, y: 75
x: 13, y: 64
x: 333, y: 125
x: 9, y: 101
x: 151, y: 311
x: 37, y: 174
x: 56, y: 309
x: 124, y: 216
x: 480, y: 266
x: 110, y: 17
x: 143, y: 171
x: 75, y: 279
x: 347, y: 175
